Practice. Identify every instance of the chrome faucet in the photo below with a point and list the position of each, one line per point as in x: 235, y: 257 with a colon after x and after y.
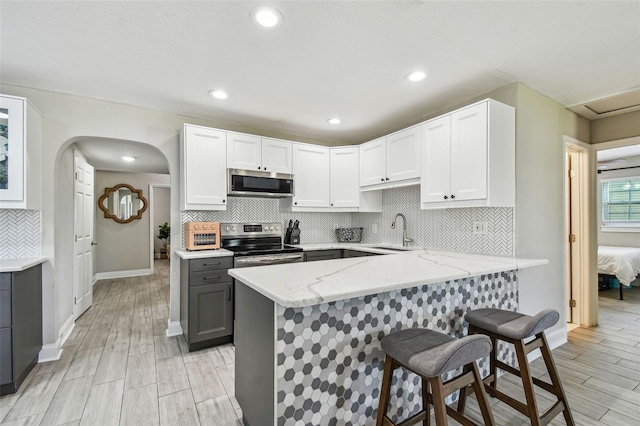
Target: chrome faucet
x: 405, y: 240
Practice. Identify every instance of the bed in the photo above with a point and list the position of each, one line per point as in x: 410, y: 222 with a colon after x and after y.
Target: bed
x: 620, y: 262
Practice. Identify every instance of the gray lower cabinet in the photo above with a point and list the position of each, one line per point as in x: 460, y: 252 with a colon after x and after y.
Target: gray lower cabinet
x: 312, y: 256
x: 206, y: 301
x: 20, y: 326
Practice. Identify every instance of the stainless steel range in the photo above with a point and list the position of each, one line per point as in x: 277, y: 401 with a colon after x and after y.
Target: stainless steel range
x: 257, y: 244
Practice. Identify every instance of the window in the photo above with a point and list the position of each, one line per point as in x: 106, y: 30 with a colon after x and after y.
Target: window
x: 621, y: 201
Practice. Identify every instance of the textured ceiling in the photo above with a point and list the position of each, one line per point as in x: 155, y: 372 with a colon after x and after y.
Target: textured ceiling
x: 344, y: 59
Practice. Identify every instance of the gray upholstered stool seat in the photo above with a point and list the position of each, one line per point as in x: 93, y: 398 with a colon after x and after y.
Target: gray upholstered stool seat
x: 430, y: 354
x: 512, y: 324
x: 514, y: 328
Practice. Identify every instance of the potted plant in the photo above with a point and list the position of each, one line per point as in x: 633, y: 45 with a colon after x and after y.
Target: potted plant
x: 164, y: 235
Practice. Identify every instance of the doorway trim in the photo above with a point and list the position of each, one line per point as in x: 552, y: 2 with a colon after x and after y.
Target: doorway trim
x: 152, y: 232
x: 585, y: 289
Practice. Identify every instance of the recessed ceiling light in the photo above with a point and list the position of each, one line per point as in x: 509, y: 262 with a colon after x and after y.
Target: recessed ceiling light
x: 334, y: 120
x: 416, y: 76
x: 219, y: 94
x: 128, y: 158
x: 266, y: 16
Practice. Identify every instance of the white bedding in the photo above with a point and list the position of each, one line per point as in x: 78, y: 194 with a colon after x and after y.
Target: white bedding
x: 623, y: 262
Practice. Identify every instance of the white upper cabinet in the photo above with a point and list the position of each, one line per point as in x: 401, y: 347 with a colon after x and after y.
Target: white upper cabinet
x: 344, y: 186
x: 244, y: 151
x: 277, y: 156
x: 373, y: 162
x: 203, y: 153
x: 391, y: 161
x: 468, y: 158
x: 403, y: 155
x: 435, y: 183
x: 311, y: 175
x: 250, y: 152
x: 20, y: 154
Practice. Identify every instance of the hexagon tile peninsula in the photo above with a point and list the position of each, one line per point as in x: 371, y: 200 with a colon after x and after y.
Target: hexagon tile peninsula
x: 328, y: 363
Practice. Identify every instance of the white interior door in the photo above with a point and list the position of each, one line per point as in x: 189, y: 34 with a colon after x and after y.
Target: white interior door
x: 83, y: 229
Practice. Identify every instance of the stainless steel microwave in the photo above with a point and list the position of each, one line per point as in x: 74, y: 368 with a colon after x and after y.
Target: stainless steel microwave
x: 250, y: 183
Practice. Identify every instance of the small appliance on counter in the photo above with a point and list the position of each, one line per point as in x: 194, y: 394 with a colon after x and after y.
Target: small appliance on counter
x: 202, y: 235
x: 292, y: 234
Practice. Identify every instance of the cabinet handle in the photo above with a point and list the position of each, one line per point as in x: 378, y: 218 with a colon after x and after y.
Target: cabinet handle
x: 387, y: 178
x: 224, y: 201
x: 331, y: 204
x: 217, y: 277
x: 382, y: 179
x: 453, y: 196
x: 295, y: 204
x: 258, y: 167
x: 446, y: 198
x: 229, y: 299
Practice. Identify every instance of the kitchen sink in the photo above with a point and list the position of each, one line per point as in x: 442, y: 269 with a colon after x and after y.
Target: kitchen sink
x: 391, y: 248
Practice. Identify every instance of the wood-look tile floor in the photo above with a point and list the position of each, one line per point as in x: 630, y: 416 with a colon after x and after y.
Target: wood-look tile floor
x: 118, y: 367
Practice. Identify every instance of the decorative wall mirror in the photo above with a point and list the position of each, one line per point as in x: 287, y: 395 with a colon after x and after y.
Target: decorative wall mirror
x: 122, y: 203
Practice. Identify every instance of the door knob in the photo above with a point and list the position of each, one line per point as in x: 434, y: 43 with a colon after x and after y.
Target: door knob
x: 94, y: 243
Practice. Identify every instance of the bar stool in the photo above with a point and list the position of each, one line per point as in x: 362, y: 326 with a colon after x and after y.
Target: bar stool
x: 430, y: 354
x: 514, y: 328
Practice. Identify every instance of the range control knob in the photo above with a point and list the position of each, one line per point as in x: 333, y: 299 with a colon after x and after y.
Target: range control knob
x: 277, y: 227
x: 226, y: 228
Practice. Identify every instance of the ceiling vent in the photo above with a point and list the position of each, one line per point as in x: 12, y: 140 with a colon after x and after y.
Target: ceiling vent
x: 612, y: 105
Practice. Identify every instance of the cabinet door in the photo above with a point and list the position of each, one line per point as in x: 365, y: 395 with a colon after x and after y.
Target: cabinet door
x: 403, y: 155
x: 345, y: 186
x: 277, y: 156
x: 6, y: 356
x: 435, y: 184
x: 243, y: 151
x: 373, y: 162
x: 311, y: 175
x: 205, y: 171
x: 12, y: 131
x: 210, y: 312
x: 469, y: 153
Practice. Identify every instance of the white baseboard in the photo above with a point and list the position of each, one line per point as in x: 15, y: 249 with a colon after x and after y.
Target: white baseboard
x: 174, y: 329
x: 95, y: 278
x: 53, y: 351
x: 65, y: 331
x: 49, y: 353
x: 122, y: 274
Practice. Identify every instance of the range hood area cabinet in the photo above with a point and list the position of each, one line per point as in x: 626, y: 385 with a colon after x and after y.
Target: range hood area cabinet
x: 391, y: 161
x: 20, y: 154
x: 250, y: 152
x: 327, y: 180
x: 468, y: 158
x: 203, y: 172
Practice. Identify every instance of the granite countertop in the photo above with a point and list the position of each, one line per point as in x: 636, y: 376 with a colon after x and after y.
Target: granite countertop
x: 201, y: 254
x: 312, y: 283
x: 20, y: 264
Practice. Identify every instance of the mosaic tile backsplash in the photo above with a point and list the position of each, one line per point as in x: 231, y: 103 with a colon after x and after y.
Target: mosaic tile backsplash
x: 442, y: 229
x: 20, y: 233
x: 330, y: 364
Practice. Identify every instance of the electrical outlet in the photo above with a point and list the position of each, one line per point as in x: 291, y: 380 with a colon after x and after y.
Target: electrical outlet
x: 480, y: 227
x: 374, y: 228
x: 336, y: 226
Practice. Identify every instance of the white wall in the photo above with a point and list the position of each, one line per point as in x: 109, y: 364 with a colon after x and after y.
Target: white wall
x: 124, y: 246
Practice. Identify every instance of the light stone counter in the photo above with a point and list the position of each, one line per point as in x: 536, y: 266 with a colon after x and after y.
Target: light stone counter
x: 311, y: 283
x: 20, y: 264
x: 202, y: 254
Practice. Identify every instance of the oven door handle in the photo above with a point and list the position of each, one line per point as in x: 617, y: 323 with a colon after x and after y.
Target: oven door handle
x: 267, y: 260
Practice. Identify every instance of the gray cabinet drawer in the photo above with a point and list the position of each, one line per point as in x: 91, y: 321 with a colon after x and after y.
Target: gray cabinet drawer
x: 5, y: 281
x: 211, y: 263
x: 209, y: 277
x: 5, y: 308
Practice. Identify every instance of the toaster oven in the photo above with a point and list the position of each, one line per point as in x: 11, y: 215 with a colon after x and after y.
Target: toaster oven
x: 202, y: 235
